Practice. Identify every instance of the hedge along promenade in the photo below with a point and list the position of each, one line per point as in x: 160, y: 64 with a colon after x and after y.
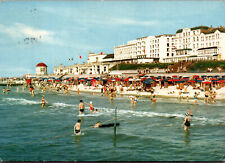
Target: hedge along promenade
x: 141, y: 66
x: 204, y: 65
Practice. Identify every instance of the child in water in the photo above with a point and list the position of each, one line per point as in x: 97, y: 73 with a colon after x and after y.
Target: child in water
x: 91, y: 106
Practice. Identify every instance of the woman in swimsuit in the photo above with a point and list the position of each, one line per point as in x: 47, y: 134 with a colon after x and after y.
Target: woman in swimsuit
x: 187, y: 122
x: 43, y: 102
x: 91, y: 106
x: 77, y: 130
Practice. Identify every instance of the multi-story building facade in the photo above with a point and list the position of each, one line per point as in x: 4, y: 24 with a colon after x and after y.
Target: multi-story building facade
x: 97, y: 64
x: 188, y: 44
x: 126, y: 53
x: 199, y: 43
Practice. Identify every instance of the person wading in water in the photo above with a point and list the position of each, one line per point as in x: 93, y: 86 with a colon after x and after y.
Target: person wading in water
x: 81, y: 107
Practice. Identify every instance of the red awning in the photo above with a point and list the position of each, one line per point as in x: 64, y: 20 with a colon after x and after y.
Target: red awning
x: 191, y: 81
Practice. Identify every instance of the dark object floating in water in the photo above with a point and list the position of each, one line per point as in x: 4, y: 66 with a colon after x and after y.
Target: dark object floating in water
x: 109, y: 125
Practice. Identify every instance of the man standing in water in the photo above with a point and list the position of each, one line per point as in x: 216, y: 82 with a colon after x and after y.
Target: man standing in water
x: 77, y: 130
x: 81, y: 107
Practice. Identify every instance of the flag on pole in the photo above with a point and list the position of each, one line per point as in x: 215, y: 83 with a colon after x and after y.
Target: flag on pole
x: 80, y: 57
x: 101, y: 53
x: 144, y: 50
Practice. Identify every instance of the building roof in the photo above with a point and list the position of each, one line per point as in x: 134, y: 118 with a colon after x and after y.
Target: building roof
x: 109, y: 56
x: 212, y: 30
x: 214, y: 47
x: 205, y: 29
x: 41, y: 65
x: 167, y: 35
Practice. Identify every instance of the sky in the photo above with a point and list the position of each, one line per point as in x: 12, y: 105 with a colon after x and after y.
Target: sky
x: 55, y: 31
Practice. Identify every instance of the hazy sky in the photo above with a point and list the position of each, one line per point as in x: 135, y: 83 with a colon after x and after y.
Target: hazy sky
x: 52, y: 32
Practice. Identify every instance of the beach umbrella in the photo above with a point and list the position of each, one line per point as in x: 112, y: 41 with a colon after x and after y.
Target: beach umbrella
x: 207, y: 82
x: 143, y: 79
x: 117, y: 79
x: 195, y: 76
x: 127, y: 79
x: 82, y: 80
x: 174, y: 76
x: 198, y: 81
x: 170, y: 80
x: 147, y: 82
x: 180, y: 81
x: 191, y: 81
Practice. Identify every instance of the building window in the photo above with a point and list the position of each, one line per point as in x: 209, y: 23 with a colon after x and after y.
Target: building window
x: 168, y: 44
x: 104, y: 69
x: 172, y: 54
x: 168, y: 54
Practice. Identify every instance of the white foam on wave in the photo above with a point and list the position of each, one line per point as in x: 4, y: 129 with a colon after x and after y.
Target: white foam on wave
x: 149, y: 114
x: 21, y: 101
x: 58, y: 104
x: 131, y: 113
x: 90, y: 115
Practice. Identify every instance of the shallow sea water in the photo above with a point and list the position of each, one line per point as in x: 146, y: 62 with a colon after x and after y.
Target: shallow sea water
x: 147, y: 132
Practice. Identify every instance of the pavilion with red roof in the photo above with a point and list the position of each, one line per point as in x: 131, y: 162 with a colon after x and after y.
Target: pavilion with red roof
x: 41, y: 69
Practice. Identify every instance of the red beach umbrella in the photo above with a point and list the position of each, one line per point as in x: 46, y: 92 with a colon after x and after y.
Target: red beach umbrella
x: 127, y: 79
x: 174, y: 76
x: 207, y: 82
x: 191, y: 81
x: 117, y: 79
x: 143, y: 79
x: 195, y: 76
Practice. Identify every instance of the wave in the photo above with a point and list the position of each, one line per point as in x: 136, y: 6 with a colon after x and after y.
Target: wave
x: 58, y: 104
x: 131, y: 113
x: 21, y: 101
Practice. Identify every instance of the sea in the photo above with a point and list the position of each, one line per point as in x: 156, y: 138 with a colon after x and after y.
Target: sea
x: 147, y: 131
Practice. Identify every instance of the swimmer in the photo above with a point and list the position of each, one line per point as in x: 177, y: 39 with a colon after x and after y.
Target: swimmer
x: 91, y: 106
x: 95, y: 111
x: 77, y: 130
x: 195, y: 98
x: 153, y: 99
x: 97, y: 125
x: 187, y: 122
x: 3, y: 90
x: 81, y: 107
x: 43, y: 102
x: 111, y: 96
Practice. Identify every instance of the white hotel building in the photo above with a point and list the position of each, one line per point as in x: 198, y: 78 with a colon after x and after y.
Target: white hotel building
x: 188, y: 44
